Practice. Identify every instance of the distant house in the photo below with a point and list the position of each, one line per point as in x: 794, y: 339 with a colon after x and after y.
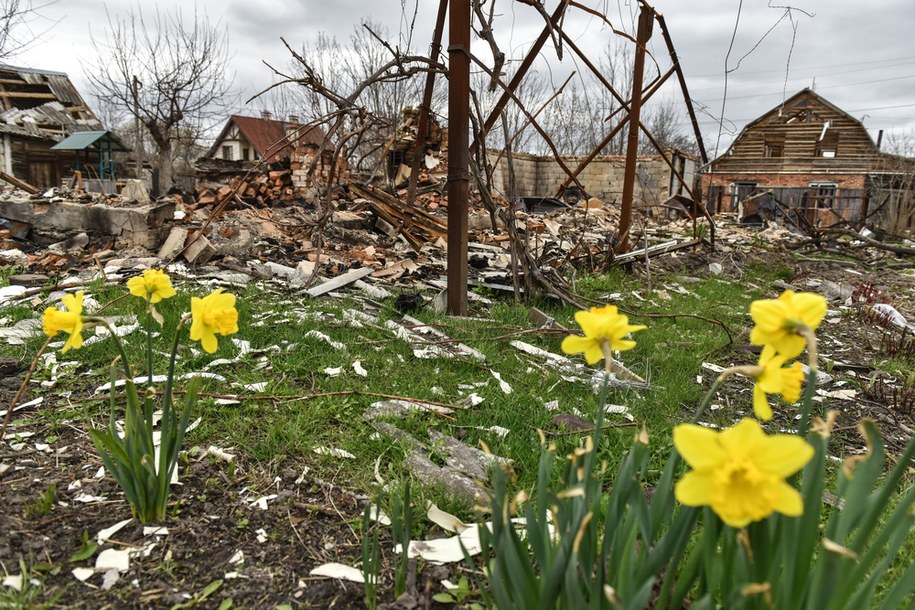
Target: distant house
x: 245, y: 138
x: 811, y: 161
x: 39, y: 108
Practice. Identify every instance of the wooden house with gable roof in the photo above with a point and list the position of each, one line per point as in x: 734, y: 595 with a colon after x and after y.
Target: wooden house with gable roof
x: 811, y: 161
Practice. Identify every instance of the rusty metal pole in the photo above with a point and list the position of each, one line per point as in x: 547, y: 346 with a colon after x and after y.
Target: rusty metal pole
x: 646, y: 21
x: 458, y: 152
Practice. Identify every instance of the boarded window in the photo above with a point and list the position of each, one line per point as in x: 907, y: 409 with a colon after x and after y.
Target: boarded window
x: 227, y: 153
x: 246, y: 154
x: 824, y: 196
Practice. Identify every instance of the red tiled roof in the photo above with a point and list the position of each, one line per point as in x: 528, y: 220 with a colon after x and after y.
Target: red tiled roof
x: 268, y: 136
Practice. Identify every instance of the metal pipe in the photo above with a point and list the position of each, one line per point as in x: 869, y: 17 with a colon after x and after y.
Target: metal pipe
x: 458, y: 153
x: 646, y: 20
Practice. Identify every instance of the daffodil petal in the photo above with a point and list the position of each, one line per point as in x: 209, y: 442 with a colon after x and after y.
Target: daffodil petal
x: 742, y: 437
x: 695, y: 489
x: 811, y: 308
x: 594, y: 353
x: 787, y: 500
x: 698, y: 446
x: 761, y: 404
x: 784, y: 454
x: 573, y: 344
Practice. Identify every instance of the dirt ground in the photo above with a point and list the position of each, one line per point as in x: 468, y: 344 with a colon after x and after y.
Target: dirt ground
x: 217, y: 532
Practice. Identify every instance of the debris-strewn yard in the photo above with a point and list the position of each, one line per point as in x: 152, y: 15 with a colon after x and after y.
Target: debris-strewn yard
x: 320, y: 405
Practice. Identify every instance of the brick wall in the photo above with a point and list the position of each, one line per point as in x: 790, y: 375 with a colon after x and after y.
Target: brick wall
x: 538, y: 176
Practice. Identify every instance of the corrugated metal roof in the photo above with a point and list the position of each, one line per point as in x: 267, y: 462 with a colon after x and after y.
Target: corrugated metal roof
x: 91, y: 139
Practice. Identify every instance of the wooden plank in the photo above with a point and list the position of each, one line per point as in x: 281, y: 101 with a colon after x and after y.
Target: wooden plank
x: 21, y: 184
x: 338, y: 282
x: 23, y: 95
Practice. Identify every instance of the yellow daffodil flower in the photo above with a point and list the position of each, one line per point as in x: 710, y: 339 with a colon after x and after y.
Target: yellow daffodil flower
x: 154, y: 284
x: 602, y: 326
x: 213, y: 315
x: 70, y: 321
x: 775, y: 379
x: 740, y: 472
x: 778, y: 320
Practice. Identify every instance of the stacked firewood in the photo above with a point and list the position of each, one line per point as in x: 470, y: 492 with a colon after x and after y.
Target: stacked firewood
x: 261, y: 189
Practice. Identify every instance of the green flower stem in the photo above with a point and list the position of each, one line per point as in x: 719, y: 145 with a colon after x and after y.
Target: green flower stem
x: 149, y: 351
x: 807, y: 402
x: 170, y: 377
x: 117, y: 342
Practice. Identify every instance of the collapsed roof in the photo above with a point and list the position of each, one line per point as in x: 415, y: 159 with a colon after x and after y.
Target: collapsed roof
x: 42, y: 104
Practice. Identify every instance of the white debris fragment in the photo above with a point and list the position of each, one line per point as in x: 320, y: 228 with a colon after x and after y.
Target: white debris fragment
x: 13, y: 581
x: 333, y: 371
x: 82, y: 574
x: 110, y: 578
x: 378, y: 516
x: 237, y: 558
x: 219, y: 453
x: 444, y: 520
x: 89, y: 499
x: 261, y: 502
x: 155, y: 531
x: 334, y: 451
x: 843, y: 394
x: 473, y: 399
x: 105, y: 535
x: 316, y: 334
x: 552, y: 405
x: 357, y: 367
x: 113, y: 559
x: 503, y: 385
x: 261, y: 535
x: 338, y: 570
x: 260, y: 386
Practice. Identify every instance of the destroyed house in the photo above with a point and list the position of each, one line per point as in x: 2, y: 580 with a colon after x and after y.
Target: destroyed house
x: 245, y: 138
x: 805, y: 160
x: 38, y: 109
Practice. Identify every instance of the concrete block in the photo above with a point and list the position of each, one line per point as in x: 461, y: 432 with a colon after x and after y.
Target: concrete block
x: 136, y: 190
x: 173, y: 244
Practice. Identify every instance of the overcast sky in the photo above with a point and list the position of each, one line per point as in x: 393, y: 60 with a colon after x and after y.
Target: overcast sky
x: 858, y: 55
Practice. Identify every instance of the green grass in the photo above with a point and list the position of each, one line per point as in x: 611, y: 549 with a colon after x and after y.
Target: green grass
x: 271, y: 431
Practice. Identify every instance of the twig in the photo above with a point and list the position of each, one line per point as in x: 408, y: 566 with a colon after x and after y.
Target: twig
x: 627, y: 424
x: 25, y: 383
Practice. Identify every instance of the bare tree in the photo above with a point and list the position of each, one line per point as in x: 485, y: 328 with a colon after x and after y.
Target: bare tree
x: 16, y: 34
x: 168, y: 71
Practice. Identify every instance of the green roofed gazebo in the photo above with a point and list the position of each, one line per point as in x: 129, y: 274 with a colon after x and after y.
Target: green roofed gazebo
x: 105, y: 143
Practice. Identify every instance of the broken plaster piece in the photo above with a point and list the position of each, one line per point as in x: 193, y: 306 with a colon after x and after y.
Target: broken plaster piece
x: 503, y: 385
x: 316, y: 334
x: 358, y: 368
x: 105, y: 535
x: 340, y: 571
x: 334, y: 451
x: 113, y: 559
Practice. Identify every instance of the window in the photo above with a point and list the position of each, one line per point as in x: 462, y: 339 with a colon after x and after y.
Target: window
x: 227, y: 153
x: 824, y: 194
x: 246, y: 154
x: 774, y: 146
